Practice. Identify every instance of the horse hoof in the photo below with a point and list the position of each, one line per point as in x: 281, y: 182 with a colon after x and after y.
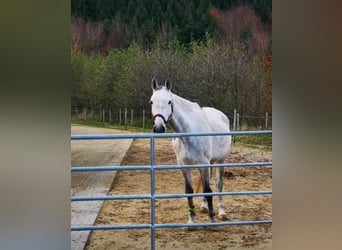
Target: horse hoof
x: 203, y: 210
x: 223, y: 217
x: 213, y: 229
x: 190, y: 229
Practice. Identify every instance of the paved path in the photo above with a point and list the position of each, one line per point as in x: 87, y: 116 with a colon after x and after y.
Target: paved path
x: 92, y: 153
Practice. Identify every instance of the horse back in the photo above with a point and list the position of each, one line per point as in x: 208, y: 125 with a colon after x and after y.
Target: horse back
x: 217, y: 120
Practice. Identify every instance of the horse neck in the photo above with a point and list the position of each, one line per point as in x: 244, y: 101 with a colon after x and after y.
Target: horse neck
x: 183, y: 115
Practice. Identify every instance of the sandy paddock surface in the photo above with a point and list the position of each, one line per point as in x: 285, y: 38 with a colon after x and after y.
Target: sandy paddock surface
x: 176, y: 210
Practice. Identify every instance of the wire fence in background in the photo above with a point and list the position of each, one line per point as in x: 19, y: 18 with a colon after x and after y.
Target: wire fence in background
x: 142, y: 119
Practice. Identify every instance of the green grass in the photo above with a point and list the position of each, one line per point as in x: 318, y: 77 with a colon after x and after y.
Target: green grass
x: 91, y: 123
x: 255, y: 141
x: 98, y: 124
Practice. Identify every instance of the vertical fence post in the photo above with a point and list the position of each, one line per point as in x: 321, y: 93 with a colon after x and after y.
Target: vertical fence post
x: 143, y: 118
x: 238, y: 122
x: 85, y: 114
x: 266, y: 120
x: 153, y: 205
x: 131, y: 117
x: 103, y: 115
x: 234, y: 125
x: 234, y: 121
x: 126, y: 118
x: 120, y: 117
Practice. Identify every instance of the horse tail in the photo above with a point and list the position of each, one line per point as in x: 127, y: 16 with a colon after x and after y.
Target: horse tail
x: 199, y: 181
x: 199, y: 185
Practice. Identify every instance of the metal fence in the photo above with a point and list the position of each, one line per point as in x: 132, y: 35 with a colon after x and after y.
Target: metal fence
x: 152, y: 196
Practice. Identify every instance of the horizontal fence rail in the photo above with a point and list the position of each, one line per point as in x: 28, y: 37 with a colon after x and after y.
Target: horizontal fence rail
x: 152, y: 196
x: 165, y: 135
x: 165, y: 196
x: 169, y: 225
x: 164, y: 167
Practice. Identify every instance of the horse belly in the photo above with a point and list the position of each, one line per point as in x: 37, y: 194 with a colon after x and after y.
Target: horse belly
x: 218, y: 122
x: 193, y: 152
x: 221, y: 147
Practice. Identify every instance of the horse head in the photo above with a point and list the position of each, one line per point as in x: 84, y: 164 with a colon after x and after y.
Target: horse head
x: 161, y: 105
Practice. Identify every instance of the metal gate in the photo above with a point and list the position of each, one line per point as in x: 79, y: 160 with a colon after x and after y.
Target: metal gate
x: 152, y: 196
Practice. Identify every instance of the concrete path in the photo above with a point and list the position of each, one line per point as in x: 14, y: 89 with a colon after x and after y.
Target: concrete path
x: 92, y: 153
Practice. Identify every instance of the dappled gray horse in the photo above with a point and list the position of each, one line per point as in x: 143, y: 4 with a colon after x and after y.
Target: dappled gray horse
x: 185, y: 116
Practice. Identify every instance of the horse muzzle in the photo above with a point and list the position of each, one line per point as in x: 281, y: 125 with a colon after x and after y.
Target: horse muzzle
x: 159, y: 129
x: 159, y: 125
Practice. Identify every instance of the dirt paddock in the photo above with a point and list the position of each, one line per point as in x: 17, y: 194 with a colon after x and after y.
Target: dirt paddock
x: 176, y: 211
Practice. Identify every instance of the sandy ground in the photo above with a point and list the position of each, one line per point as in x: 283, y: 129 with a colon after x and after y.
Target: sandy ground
x: 175, y: 210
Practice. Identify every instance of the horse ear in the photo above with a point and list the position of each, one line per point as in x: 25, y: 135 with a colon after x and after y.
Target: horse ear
x: 168, y: 84
x: 154, y: 83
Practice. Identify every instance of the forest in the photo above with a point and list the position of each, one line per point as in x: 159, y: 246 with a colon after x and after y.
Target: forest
x: 217, y: 53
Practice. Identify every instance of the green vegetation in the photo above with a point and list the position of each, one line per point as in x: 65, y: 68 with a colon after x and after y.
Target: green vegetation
x: 208, y: 74
x: 98, y: 124
x: 216, y: 52
x: 145, y: 21
x: 255, y: 140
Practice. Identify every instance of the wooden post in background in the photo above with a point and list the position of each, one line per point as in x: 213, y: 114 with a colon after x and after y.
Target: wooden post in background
x: 126, y: 118
x: 234, y: 121
x: 143, y: 118
x: 131, y: 117
x: 103, y: 115
x: 234, y: 125
x: 85, y: 114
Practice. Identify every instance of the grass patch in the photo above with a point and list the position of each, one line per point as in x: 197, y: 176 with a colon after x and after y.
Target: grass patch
x: 91, y: 123
x: 255, y: 140
x: 98, y: 124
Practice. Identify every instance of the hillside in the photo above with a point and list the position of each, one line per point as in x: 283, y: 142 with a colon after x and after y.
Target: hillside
x: 115, y: 24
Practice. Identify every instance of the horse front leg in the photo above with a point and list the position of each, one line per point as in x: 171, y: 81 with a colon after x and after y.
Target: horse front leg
x: 189, y: 190
x: 206, y: 189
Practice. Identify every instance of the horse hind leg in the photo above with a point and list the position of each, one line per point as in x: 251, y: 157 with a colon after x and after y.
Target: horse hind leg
x: 204, y: 204
x: 219, y: 186
x: 206, y: 189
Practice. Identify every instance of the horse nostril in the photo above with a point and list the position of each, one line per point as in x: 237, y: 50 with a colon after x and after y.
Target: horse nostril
x: 160, y: 129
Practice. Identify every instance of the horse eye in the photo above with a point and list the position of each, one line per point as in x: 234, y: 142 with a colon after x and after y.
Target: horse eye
x: 169, y: 102
x: 151, y: 102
